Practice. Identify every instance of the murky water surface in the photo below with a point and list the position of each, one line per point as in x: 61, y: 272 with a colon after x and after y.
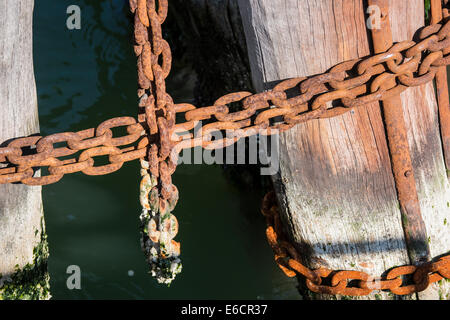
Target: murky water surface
x: 85, y: 77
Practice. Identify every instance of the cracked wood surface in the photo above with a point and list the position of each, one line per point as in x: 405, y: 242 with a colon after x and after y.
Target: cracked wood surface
x: 335, y: 183
x: 20, y: 205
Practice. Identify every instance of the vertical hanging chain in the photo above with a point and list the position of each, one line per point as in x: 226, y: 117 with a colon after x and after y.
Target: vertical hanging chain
x: 158, y: 196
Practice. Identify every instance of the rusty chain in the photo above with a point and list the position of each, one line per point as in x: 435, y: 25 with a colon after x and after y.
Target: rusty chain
x: 348, y: 85
x: 158, y: 196
x: 338, y: 282
x: 24, y: 154
x: 156, y: 139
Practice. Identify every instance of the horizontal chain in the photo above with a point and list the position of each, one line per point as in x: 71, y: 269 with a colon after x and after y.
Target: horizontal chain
x: 158, y: 196
x: 78, y: 153
x: 338, y: 282
x: 348, y: 85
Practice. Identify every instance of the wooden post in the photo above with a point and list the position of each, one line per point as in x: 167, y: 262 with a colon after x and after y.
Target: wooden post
x: 442, y: 90
x: 335, y: 184
x: 22, y: 240
x: 399, y: 151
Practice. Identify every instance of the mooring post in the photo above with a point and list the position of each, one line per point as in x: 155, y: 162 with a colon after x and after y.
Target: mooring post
x: 22, y: 236
x: 336, y: 187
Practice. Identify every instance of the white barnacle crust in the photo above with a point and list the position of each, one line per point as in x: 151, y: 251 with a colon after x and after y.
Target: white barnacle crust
x: 163, y: 268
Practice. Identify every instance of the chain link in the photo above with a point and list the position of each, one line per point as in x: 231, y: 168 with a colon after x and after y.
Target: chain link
x: 158, y: 196
x: 338, y: 282
x: 78, y: 154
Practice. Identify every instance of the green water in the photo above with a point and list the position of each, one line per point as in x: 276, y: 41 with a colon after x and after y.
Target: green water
x: 85, y: 77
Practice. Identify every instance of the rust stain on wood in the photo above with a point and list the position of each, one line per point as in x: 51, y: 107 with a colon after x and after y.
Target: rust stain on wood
x: 413, y: 223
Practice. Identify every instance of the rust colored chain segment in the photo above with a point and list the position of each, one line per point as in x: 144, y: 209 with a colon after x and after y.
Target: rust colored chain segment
x: 158, y: 196
x: 77, y: 155
x: 338, y: 282
x: 350, y: 84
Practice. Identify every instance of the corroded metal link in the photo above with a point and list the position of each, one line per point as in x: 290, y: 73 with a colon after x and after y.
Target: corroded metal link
x: 156, y: 140
x: 81, y: 148
x: 348, y: 85
x: 289, y: 262
x: 158, y: 195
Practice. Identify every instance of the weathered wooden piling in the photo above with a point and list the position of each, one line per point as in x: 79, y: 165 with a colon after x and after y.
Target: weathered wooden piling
x: 23, y: 247
x: 336, y: 185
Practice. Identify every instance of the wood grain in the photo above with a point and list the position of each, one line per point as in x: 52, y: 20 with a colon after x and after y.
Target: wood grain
x: 335, y: 181
x: 421, y: 114
x: 20, y: 205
